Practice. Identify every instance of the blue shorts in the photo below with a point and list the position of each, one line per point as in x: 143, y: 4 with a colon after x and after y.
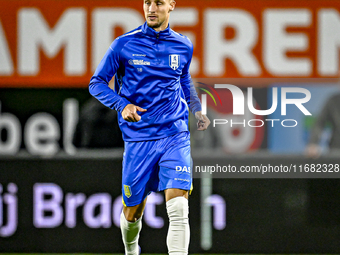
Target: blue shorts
x: 156, y: 165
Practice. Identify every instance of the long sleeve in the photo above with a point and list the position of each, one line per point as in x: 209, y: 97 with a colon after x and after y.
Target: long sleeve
x: 189, y: 89
x: 140, y: 62
x: 99, y: 84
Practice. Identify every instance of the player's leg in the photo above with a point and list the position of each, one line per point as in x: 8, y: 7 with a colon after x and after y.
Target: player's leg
x: 139, y: 169
x: 178, y: 212
x: 131, y: 225
x: 133, y: 213
x: 175, y: 180
x: 172, y: 193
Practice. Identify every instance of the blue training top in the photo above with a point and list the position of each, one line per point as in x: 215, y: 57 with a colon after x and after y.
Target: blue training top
x: 151, y: 71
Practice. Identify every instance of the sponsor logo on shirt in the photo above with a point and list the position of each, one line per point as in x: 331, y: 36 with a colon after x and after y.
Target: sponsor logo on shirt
x: 183, y: 180
x: 183, y: 169
x: 135, y: 62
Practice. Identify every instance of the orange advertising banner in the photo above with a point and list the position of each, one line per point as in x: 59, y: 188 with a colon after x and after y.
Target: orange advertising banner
x: 59, y: 43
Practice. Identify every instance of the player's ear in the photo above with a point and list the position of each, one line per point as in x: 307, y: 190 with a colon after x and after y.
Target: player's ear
x: 172, y: 5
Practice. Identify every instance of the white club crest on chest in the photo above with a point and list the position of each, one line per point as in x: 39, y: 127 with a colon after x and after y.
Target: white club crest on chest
x: 174, y: 61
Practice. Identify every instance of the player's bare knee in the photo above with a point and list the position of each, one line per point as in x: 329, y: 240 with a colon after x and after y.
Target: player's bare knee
x: 132, y: 217
x: 172, y: 193
x: 133, y: 213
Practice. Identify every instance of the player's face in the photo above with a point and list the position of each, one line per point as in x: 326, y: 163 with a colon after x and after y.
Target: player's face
x: 157, y: 13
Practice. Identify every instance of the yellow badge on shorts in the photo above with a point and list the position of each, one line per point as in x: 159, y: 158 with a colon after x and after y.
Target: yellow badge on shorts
x: 127, y: 191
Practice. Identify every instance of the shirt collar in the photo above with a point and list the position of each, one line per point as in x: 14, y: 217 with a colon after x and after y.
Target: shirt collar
x: 152, y: 33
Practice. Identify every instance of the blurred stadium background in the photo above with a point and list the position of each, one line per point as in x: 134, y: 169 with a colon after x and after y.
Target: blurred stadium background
x: 60, y: 180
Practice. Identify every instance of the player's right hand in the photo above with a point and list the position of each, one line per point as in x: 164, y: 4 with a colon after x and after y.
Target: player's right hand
x: 130, y: 114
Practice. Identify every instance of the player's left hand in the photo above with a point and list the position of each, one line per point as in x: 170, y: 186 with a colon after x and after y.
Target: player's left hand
x: 203, y: 121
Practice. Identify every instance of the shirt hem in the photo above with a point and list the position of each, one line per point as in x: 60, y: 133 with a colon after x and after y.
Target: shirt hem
x: 154, y: 138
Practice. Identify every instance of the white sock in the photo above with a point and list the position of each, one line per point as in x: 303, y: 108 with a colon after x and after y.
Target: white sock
x: 179, y: 231
x: 130, y: 234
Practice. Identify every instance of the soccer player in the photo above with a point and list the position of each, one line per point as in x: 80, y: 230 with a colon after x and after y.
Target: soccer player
x: 152, y: 93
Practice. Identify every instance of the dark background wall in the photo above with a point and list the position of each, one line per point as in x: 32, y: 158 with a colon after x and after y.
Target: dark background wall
x: 261, y: 215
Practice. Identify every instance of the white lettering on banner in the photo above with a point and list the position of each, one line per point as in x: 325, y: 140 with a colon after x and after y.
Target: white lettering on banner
x: 70, y: 120
x: 72, y: 202
x: 187, y: 17
x: 329, y: 42
x: 91, y: 218
x: 69, y: 32
x: 11, y: 124
x: 34, y: 33
x: 6, y: 63
x: 277, y: 42
x: 11, y: 201
x: 219, y: 206
x: 117, y: 208
x: 102, y: 219
x: 41, y: 131
x: 51, y: 205
x: 41, y: 135
x: 238, y: 49
x: 150, y: 216
x: 103, y: 22
x: 109, y: 209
